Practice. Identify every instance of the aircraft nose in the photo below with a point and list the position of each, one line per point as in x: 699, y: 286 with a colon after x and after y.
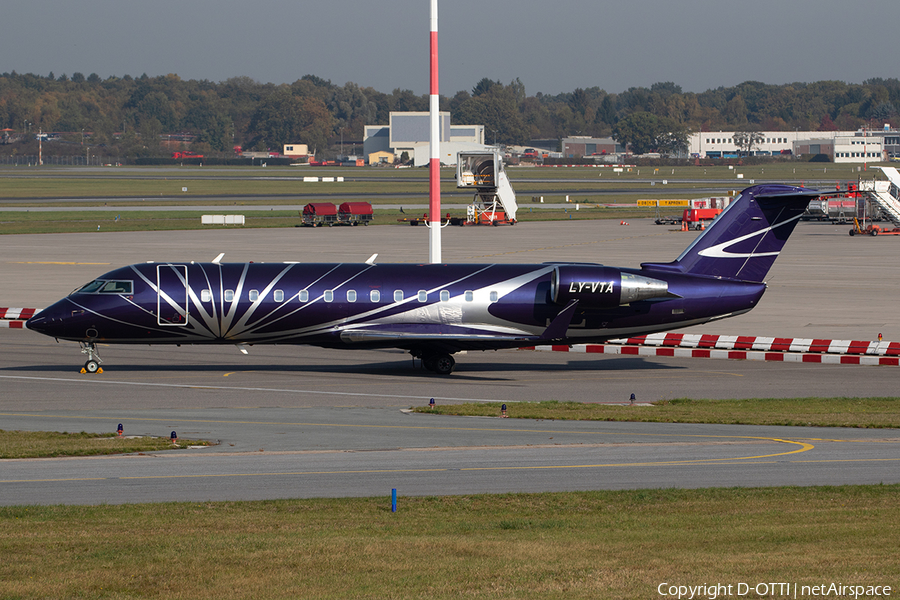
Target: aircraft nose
x: 41, y: 322
x: 36, y: 323
x: 49, y: 321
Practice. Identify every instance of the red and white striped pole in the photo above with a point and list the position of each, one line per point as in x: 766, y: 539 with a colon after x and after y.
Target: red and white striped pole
x: 434, y: 165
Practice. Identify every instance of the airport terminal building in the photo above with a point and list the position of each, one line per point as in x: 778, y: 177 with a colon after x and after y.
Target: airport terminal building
x: 840, y: 146
x: 410, y: 132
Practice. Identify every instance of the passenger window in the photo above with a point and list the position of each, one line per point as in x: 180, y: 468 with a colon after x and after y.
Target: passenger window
x: 470, y: 295
x: 205, y: 295
x: 423, y: 296
x: 304, y: 295
x: 254, y: 295
x: 351, y: 295
x: 229, y: 295
x: 375, y: 296
x: 445, y: 296
x: 398, y: 295
x: 329, y: 295
x: 494, y: 296
x: 279, y: 295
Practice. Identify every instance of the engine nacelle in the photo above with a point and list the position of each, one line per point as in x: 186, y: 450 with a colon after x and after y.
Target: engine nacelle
x: 602, y: 287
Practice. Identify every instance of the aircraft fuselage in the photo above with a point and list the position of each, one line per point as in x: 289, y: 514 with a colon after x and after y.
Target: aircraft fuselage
x: 390, y: 305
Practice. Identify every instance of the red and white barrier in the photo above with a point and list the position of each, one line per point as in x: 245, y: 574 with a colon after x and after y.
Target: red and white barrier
x: 763, y: 344
x: 682, y: 345
x: 14, y: 318
x: 18, y: 313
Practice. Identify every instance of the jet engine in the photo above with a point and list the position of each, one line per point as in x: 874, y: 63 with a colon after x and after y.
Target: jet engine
x: 603, y: 287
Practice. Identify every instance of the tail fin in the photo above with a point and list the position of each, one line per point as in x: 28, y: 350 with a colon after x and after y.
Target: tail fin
x: 744, y: 241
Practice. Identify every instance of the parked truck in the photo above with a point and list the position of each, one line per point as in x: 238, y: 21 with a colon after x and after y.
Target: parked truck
x: 698, y: 218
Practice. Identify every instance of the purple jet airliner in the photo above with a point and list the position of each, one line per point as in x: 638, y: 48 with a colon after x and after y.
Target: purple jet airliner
x: 433, y: 310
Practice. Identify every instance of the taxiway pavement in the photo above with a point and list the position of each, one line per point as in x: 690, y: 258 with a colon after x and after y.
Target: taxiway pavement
x: 299, y: 421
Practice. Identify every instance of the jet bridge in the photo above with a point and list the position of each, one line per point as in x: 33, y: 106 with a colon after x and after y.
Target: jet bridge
x: 495, y: 200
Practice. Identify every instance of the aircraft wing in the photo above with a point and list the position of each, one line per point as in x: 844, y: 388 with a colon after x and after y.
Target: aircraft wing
x: 458, y: 337
x: 407, y: 336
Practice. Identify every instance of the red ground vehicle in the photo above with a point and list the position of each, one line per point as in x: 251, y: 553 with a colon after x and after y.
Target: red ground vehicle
x: 354, y: 213
x: 872, y: 230
x: 696, y: 218
x: 316, y: 214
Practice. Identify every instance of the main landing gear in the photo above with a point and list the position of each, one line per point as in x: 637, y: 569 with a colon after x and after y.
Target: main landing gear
x: 442, y: 364
x: 93, y: 362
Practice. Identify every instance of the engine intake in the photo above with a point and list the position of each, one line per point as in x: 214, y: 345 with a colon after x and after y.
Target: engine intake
x: 603, y: 287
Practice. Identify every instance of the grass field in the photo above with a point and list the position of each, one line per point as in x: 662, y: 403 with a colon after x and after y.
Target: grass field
x: 577, y: 545
x: 608, y: 544
x: 809, y: 412
x: 43, y: 444
x: 148, y: 182
x: 48, y: 187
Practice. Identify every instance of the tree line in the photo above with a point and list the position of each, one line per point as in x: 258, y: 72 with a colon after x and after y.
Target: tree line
x: 131, y: 113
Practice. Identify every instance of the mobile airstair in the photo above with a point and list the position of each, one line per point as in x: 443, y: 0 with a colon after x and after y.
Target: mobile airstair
x: 885, y: 194
x: 495, y: 200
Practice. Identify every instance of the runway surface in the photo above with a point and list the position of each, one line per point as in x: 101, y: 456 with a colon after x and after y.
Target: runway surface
x: 299, y: 421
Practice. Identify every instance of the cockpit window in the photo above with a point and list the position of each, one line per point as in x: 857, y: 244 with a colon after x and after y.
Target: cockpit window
x: 116, y: 287
x: 91, y: 288
x: 107, y: 286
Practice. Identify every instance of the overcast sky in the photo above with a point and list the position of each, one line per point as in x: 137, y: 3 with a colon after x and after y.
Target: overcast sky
x: 553, y: 46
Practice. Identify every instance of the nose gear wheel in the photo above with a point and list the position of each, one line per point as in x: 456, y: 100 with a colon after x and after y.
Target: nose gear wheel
x: 93, y: 362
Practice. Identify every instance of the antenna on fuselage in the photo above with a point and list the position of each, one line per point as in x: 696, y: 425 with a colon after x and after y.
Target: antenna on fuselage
x: 371, y: 260
x: 218, y: 260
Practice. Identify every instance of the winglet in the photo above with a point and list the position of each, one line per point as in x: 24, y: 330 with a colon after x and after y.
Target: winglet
x: 560, y: 325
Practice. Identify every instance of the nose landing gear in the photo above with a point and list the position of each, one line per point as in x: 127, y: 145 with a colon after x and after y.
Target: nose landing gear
x: 93, y: 362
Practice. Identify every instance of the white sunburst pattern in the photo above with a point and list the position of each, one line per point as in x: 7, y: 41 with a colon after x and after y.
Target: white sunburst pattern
x: 263, y: 320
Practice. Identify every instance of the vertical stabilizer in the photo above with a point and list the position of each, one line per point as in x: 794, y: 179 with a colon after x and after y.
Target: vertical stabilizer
x: 744, y: 241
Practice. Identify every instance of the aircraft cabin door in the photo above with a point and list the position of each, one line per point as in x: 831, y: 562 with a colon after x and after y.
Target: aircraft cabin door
x: 172, y: 295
